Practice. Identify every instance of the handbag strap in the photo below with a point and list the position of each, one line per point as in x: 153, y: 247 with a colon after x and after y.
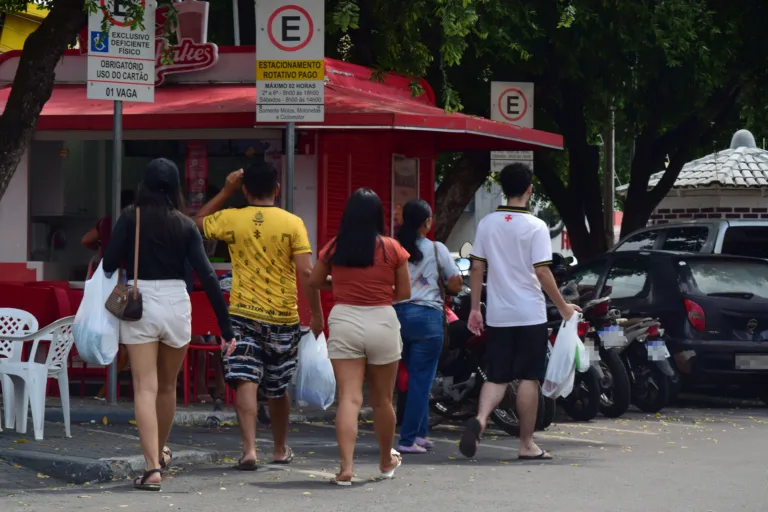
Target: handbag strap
x: 136, y: 256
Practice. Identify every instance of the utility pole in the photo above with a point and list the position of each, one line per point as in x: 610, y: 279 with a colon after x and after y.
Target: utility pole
x: 609, y: 176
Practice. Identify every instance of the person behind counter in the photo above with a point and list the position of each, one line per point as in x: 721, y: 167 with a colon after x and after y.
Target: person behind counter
x: 97, y: 238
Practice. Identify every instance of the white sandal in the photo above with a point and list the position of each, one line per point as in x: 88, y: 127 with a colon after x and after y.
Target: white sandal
x: 341, y: 483
x: 391, y: 473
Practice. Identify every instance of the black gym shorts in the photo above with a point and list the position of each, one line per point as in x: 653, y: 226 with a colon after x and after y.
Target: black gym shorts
x: 514, y: 353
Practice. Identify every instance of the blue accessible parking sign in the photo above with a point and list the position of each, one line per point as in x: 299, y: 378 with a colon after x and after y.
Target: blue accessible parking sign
x: 99, y: 42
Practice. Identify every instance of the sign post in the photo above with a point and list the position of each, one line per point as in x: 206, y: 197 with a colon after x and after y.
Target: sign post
x: 121, y: 67
x: 512, y: 102
x: 290, y: 70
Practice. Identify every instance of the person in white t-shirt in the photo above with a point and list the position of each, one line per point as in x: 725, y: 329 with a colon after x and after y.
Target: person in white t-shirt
x: 515, y: 248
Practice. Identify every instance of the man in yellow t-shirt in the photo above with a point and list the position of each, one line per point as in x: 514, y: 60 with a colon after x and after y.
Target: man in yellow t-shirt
x: 268, y: 247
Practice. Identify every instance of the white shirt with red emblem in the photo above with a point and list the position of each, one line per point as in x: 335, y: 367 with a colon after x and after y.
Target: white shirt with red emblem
x: 512, y: 243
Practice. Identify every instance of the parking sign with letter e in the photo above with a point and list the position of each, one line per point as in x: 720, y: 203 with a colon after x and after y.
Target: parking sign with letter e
x: 290, y: 61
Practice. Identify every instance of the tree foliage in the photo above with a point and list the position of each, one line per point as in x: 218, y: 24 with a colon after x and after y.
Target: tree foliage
x: 678, y: 72
x: 33, y: 84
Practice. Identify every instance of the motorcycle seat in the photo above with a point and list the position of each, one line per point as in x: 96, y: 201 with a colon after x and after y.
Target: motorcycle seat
x: 631, y: 322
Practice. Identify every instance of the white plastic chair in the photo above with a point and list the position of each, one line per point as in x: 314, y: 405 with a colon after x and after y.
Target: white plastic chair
x: 30, y: 378
x: 13, y: 322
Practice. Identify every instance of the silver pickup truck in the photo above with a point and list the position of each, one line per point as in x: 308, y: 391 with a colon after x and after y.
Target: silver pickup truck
x: 713, y: 236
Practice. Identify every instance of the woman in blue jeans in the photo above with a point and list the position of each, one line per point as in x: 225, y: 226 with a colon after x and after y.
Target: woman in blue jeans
x: 421, y: 319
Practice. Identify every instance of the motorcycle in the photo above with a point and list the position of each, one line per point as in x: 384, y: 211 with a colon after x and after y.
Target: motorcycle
x: 633, y: 358
x: 460, y: 375
x: 583, y: 403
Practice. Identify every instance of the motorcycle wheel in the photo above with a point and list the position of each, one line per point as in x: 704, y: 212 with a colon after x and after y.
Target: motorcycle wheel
x: 550, y: 411
x: 583, y: 403
x: 505, y: 415
x: 652, y: 388
x: 616, y: 391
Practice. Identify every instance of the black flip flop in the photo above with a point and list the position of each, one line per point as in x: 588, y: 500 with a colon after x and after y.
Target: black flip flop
x: 248, y: 465
x: 142, y: 485
x: 470, y: 438
x: 544, y: 455
x: 287, y: 460
x: 166, y: 452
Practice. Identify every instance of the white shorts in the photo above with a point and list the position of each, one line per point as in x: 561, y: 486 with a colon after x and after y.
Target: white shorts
x: 166, y: 317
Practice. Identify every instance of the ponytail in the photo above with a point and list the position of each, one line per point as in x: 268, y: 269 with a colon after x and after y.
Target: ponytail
x: 415, y: 213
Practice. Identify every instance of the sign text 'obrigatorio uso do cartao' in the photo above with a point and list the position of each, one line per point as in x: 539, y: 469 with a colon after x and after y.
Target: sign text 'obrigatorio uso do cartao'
x: 121, y: 61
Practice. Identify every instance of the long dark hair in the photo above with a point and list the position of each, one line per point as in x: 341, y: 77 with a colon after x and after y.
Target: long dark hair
x: 163, y: 214
x: 415, y: 213
x: 362, y: 226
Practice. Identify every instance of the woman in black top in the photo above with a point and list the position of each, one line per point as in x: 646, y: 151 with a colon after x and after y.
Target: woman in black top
x: 158, y: 342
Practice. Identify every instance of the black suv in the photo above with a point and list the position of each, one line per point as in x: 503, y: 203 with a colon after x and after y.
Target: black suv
x: 713, y: 308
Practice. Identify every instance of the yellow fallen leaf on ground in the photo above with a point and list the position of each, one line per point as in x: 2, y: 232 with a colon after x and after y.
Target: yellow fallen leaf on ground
x: 132, y: 422
x: 40, y: 475
x: 20, y: 441
x: 104, y: 420
x: 307, y: 493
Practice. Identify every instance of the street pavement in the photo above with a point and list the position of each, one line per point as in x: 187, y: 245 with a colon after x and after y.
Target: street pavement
x: 687, y: 459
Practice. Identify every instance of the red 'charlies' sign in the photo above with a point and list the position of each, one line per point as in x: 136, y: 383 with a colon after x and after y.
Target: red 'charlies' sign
x: 193, y: 53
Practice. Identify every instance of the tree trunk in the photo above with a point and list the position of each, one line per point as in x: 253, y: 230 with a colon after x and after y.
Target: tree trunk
x: 33, y: 83
x: 679, y: 143
x: 580, y: 203
x: 457, y: 190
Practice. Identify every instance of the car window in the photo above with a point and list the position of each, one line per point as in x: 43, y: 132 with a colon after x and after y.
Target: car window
x: 746, y: 241
x: 729, y: 277
x: 628, y: 279
x: 585, y: 277
x: 640, y: 242
x: 686, y: 239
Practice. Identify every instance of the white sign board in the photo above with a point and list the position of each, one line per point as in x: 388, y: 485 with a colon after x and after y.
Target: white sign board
x: 290, y: 61
x: 512, y: 102
x: 121, y: 62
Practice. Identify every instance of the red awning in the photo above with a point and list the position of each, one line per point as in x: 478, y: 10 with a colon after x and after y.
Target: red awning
x: 233, y: 106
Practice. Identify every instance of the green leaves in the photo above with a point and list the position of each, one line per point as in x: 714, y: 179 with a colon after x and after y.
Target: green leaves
x: 345, y: 16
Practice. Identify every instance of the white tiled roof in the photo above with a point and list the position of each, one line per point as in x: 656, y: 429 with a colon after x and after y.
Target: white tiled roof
x: 739, y: 168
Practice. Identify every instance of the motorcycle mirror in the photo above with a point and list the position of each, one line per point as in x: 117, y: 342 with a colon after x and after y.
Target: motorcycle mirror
x: 463, y: 264
x: 465, y: 250
x: 568, y: 260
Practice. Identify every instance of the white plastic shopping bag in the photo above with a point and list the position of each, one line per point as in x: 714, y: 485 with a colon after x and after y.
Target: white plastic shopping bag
x: 315, y: 383
x: 561, y: 369
x: 96, y: 329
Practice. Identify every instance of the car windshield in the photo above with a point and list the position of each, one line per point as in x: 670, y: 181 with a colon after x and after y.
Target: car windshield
x: 729, y: 277
x: 746, y: 241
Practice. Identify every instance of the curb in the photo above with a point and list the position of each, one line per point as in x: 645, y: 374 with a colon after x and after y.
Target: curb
x: 81, y: 470
x: 193, y: 418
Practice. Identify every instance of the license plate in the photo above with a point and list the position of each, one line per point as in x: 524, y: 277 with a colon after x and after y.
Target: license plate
x: 657, y: 350
x: 613, y: 338
x: 751, y: 362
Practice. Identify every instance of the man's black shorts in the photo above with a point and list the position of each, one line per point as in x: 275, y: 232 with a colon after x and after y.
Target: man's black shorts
x: 518, y: 352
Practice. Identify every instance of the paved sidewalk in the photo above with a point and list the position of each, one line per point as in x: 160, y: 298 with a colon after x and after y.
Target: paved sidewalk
x: 105, y: 445
x: 92, y: 410
x: 102, y: 453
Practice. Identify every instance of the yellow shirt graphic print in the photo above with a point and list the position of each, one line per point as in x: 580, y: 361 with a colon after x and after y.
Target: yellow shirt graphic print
x: 262, y: 241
